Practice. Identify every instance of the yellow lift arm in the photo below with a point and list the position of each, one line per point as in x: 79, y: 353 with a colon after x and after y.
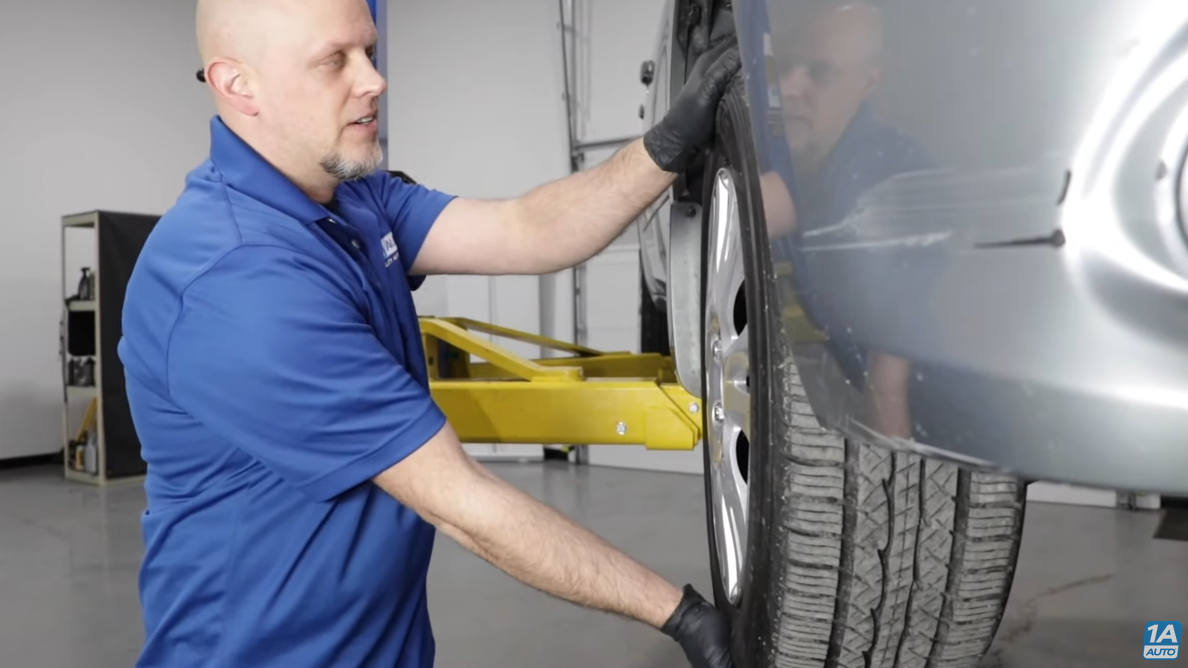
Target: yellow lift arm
x: 589, y: 397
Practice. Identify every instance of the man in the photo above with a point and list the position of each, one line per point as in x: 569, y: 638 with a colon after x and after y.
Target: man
x: 298, y: 467
x: 827, y: 69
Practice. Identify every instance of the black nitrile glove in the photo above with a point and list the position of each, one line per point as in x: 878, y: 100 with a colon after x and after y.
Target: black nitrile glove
x: 701, y: 630
x: 688, y: 127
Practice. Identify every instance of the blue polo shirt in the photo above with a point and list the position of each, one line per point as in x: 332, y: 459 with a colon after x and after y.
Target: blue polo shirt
x: 274, y: 365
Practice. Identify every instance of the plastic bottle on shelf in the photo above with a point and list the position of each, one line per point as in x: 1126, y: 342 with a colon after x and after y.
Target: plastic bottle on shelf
x: 87, y: 372
x: 91, y: 456
x: 86, y: 285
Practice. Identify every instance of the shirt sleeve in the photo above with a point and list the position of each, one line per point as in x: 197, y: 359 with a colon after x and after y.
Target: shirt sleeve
x: 271, y: 352
x: 412, y: 209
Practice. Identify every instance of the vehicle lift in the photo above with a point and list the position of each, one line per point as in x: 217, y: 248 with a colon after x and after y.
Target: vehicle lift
x: 589, y: 397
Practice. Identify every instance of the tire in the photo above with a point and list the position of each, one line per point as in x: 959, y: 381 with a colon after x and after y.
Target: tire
x: 853, y: 556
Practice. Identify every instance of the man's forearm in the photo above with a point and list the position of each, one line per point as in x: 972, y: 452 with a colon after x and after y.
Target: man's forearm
x: 578, y: 216
x: 545, y: 550
x: 523, y: 537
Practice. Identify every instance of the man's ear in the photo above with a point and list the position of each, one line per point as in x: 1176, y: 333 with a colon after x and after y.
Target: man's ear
x: 231, y: 82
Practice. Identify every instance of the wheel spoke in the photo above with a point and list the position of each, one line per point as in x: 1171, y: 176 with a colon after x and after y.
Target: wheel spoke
x: 736, y: 396
x: 732, y: 509
x: 726, y: 326
x: 731, y: 271
x: 727, y: 280
x: 736, y: 401
x: 738, y: 348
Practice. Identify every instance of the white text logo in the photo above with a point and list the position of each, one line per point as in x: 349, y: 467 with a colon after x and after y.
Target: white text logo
x: 391, y: 252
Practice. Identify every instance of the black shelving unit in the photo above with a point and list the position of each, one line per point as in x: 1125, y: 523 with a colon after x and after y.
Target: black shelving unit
x: 102, y: 447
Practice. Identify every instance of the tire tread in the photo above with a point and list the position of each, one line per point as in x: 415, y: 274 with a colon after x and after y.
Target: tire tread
x: 892, y: 560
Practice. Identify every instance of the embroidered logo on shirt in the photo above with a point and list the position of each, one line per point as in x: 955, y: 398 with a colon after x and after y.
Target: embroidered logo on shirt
x: 391, y: 252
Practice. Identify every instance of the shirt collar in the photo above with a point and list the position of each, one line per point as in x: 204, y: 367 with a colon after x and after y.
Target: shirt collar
x: 246, y: 171
x: 854, y: 138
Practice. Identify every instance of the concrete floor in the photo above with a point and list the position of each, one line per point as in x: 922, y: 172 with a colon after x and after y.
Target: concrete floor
x: 1088, y: 579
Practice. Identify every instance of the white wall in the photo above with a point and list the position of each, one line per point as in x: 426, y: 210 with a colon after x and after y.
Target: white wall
x: 614, y: 38
x: 100, y: 110
x: 476, y: 109
x: 471, y: 116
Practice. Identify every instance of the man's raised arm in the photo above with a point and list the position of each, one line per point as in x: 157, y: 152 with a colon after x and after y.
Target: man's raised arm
x: 565, y: 222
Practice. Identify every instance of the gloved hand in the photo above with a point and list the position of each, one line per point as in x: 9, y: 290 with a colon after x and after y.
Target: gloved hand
x: 688, y: 127
x: 702, y: 631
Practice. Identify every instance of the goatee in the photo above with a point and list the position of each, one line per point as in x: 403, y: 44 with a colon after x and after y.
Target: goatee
x: 350, y: 170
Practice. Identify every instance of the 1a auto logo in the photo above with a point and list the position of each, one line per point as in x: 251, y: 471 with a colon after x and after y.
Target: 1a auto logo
x: 1162, y: 641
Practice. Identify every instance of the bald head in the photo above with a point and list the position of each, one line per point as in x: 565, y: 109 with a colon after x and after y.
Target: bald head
x: 296, y: 80
x: 233, y: 28
x: 854, y: 29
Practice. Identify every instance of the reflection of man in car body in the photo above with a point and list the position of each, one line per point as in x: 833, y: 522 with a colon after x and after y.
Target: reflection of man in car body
x: 826, y: 70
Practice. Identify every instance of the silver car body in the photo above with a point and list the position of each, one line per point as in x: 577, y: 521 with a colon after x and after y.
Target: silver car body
x: 989, y: 193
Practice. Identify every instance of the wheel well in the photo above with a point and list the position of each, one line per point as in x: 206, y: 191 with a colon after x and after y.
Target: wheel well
x: 697, y: 25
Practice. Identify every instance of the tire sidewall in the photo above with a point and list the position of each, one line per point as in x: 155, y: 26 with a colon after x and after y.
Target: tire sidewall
x: 752, y: 620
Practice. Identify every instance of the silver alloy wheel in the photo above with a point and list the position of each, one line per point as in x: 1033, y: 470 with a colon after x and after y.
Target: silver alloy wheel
x: 727, y: 383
